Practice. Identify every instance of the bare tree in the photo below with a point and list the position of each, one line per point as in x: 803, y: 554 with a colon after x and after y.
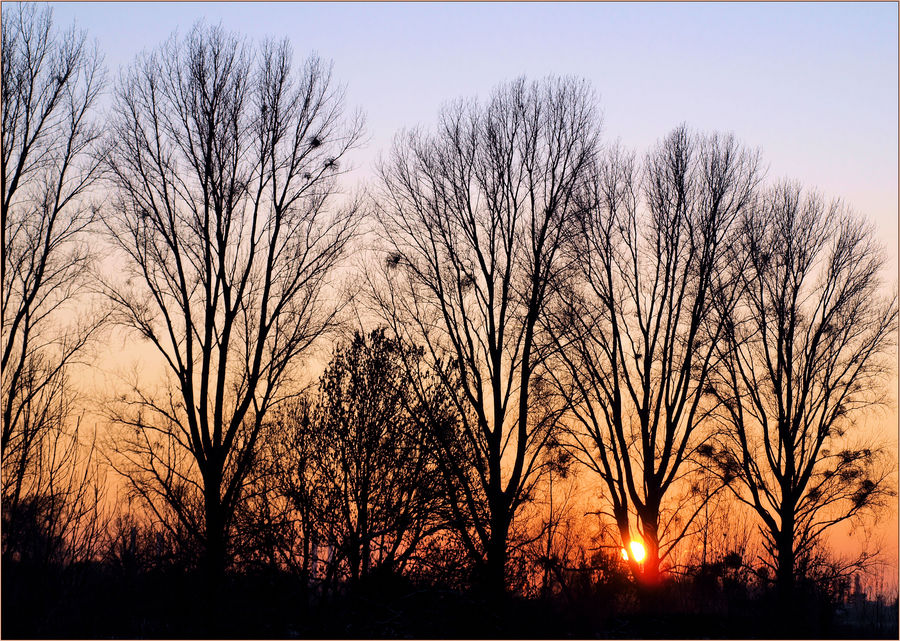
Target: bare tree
x: 802, y: 357
x: 225, y: 168
x: 277, y: 518
x: 638, y: 326
x: 50, y: 160
x: 551, y: 549
x: 367, y: 472
x: 475, y: 216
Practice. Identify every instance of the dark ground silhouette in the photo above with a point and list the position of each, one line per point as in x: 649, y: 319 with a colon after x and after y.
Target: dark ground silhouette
x: 103, y: 601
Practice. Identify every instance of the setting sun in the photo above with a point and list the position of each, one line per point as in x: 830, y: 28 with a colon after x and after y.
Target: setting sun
x: 637, y: 551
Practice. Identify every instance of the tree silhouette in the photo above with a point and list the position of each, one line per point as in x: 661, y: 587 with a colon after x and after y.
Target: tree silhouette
x: 50, y: 160
x: 638, y: 326
x: 368, y: 470
x: 475, y: 216
x: 577, y: 348
x: 224, y: 167
x: 802, y: 356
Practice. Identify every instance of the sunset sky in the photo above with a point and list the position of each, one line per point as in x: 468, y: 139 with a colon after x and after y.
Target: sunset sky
x: 451, y: 319
x: 813, y: 86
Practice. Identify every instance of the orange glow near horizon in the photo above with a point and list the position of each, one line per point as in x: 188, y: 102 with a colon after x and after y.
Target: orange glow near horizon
x: 638, y: 553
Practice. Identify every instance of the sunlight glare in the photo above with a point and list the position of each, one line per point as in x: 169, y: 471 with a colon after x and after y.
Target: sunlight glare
x: 637, y: 551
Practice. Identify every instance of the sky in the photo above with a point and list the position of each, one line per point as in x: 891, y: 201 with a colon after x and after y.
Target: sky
x: 813, y: 86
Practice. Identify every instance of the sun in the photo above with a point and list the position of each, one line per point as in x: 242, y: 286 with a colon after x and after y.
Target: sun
x: 637, y: 551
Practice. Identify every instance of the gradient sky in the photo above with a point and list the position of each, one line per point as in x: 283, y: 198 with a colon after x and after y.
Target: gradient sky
x: 812, y: 85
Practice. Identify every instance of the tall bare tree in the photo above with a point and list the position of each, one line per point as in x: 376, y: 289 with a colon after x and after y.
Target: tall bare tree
x: 638, y: 326
x: 803, y: 355
x: 50, y: 159
x: 475, y: 217
x: 225, y: 170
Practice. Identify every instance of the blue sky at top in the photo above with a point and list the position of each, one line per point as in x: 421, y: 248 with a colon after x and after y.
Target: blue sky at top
x: 813, y: 85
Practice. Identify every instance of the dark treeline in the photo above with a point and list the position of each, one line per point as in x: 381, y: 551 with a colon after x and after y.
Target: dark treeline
x: 568, y: 390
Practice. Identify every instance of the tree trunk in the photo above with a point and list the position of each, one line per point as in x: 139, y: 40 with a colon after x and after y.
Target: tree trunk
x: 649, y: 579
x: 215, y: 549
x: 364, y: 543
x: 495, y: 569
x: 214, y: 558
x: 648, y: 570
x: 784, y: 576
x: 215, y: 553
x: 215, y: 531
x: 650, y: 567
x: 353, y: 557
